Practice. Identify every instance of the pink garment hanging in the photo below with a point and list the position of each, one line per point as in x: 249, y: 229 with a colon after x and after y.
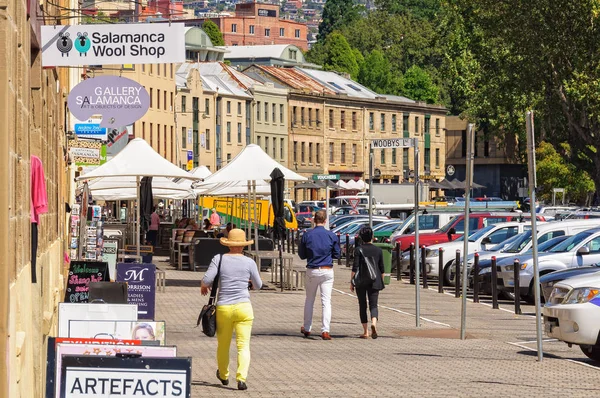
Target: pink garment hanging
x: 39, y: 196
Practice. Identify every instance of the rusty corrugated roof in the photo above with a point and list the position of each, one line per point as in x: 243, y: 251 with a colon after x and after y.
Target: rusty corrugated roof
x: 296, y: 79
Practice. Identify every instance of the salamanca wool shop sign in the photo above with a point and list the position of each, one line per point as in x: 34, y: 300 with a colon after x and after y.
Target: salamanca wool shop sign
x: 111, y: 44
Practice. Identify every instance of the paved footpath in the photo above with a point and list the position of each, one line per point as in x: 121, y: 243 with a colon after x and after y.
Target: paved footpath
x: 496, y: 360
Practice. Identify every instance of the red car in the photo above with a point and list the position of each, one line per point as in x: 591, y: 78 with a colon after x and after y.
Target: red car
x: 456, y: 228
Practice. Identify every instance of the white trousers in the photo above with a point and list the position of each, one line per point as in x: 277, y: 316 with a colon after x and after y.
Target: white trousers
x: 321, y: 278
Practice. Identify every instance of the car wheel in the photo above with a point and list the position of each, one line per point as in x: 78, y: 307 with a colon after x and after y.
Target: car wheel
x: 450, y: 274
x: 591, y: 351
x: 530, y: 297
x: 507, y: 295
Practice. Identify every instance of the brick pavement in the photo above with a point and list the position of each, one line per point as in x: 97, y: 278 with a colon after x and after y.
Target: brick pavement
x: 404, y: 361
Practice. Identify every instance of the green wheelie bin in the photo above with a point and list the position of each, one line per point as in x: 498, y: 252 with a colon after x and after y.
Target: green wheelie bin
x: 387, y: 249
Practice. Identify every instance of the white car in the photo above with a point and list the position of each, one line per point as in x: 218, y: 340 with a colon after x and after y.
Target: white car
x: 572, y: 314
x: 479, y: 240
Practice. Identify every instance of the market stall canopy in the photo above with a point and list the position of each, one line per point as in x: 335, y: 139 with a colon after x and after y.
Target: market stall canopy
x: 199, y: 172
x: 263, y: 188
x: 138, y: 159
x: 125, y: 188
x: 458, y: 184
x: 252, y: 164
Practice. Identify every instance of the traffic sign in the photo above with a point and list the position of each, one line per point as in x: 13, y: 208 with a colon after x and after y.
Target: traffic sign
x: 354, y: 202
x: 322, y: 177
x: 392, y: 143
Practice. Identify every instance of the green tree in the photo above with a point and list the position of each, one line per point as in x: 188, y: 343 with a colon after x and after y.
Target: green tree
x: 339, y: 56
x: 376, y: 74
x: 213, y: 32
x: 418, y: 85
x: 336, y: 14
x: 422, y: 9
x: 554, y: 171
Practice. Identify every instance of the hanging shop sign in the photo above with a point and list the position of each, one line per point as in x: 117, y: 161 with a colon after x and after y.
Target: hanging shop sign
x: 190, y: 160
x: 87, y: 153
x: 120, y: 101
x: 113, y: 44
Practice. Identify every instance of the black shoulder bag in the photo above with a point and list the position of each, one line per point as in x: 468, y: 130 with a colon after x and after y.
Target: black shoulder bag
x: 208, y: 315
x: 366, y: 273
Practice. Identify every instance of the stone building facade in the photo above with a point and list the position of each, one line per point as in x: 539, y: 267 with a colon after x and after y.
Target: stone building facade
x: 32, y: 108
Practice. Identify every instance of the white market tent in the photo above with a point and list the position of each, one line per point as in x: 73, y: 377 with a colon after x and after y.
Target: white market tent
x: 125, y: 188
x: 137, y: 160
x: 200, y: 172
x: 252, y: 166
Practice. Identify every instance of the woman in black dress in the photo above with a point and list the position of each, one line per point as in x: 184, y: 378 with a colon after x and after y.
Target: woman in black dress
x: 368, y: 263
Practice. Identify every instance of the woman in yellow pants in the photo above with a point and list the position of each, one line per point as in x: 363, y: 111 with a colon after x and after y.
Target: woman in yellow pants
x: 234, y: 310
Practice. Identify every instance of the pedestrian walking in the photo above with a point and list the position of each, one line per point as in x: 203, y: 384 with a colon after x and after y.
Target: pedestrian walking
x: 234, y: 310
x: 367, y: 280
x: 319, y: 247
x: 152, y: 233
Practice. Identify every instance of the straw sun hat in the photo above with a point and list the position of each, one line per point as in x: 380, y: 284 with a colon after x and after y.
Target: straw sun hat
x: 237, y: 237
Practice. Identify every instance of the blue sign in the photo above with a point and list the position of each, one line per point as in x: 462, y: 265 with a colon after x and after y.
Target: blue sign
x: 141, y: 286
x: 90, y: 130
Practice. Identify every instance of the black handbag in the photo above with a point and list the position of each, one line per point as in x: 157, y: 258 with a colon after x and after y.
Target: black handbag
x: 208, y: 315
x: 366, y: 273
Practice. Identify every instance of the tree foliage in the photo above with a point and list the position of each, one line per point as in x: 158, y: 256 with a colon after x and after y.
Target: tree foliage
x: 553, y: 171
x: 335, y: 54
x: 213, y: 32
x: 336, y: 14
x: 418, y: 85
x: 376, y: 73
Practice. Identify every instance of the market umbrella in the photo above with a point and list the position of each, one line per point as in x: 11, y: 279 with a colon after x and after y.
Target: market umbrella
x: 329, y: 184
x: 309, y: 185
x: 146, y: 202
x: 277, y: 186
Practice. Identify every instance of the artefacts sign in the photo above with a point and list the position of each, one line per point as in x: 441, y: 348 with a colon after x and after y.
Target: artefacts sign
x: 141, y: 281
x: 113, y: 44
x: 105, y: 377
x: 119, y: 100
x: 81, y: 273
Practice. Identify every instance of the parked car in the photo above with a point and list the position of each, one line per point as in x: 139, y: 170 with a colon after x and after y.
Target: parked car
x: 305, y: 215
x: 382, y: 233
x: 578, y: 251
x: 572, y: 313
x: 549, y: 280
x: 430, y: 222
x: 316, y: 203
x: 350, y: 210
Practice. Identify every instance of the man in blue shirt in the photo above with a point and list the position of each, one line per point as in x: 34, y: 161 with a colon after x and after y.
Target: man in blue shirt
x: 319, y: 247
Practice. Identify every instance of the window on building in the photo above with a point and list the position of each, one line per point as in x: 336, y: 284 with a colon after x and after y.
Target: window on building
x: 258, y: 141
x: 143, y: 67
x: 151, y: 135
x: 239, y: 133
x: 302, y: 116
x: 158, y: 69
x: 157, y: 99
x: 427, y: 124
x: 266, y: 145
x: 281, y: 113
x: 207, y: 138
x: 151, y: 68
x: 228, y: 131
x: 437, y: 126
x: 405, y: 166
x: 239, y: 108
x: 371, y: 121
x: 354, y: 147
x: 274, y: 147
x: 331, y: 152
x: 394, y: 156
x: 318, y: 116
x: 207, y: 106
x: 331, y: 118
x: 266, y: 111
x: 310, y: 152
x: 427, y: 165
x: 229, y: 107
x: 294, y: 116
x: 293, y: 54
x: 405, y: 124
x: 183, y: 104
x: 383, y: 156
x: 394, y: 127
x: 165, y: 100
x: 228, y: 157
x: 183, y: 137
x: 144, y: 130
x: 295, y: 151
x: 354, y: 120
x: 158, y: 138
x: 251, y: 29
x: 437, y: 157
x: 164, y: 139
x: 343, y: 153
x: 297, y: 33
x: 172, y: 145
x: 273, y: 109
x: 383, y: 122
x: 151, y: 97
x: 417, y: 125
x: 171, y: 70
x: 258, y: 111
x: 267, y: 32
x: 343, y: 120
x: 302, y: 152
x: 281, y: 148
x: 234, y: 28
x: 281, y: 32
x: 318, y: 153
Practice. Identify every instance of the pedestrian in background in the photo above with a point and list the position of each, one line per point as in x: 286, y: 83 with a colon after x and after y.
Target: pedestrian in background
x: 234, y: 310
x: 319, y: 247
x: 367, y: 287
x: 152, y: 234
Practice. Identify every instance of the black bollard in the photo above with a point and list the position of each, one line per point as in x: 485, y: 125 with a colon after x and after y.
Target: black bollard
x: 347, y: 250
x: 424, y: 267
x: 441, y: 271
x: 457, y: 275
x: 398, y: 273
x: 340, y: 245
x: 494, y: 284
x: 476, y: 278
x: 517, y: 284
x: 411, y: 264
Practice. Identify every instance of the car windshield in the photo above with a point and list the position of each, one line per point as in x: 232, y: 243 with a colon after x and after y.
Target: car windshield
x: 447, y: 227
x: 391, y: 226
x: 475, y: 236
x: 570, y: 243
x: 519, y: 244
x: 549, y: 244
x: 507, y: 243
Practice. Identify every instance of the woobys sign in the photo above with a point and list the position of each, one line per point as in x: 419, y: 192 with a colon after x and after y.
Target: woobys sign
x: 111, y: 44
x: 119, y: 100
